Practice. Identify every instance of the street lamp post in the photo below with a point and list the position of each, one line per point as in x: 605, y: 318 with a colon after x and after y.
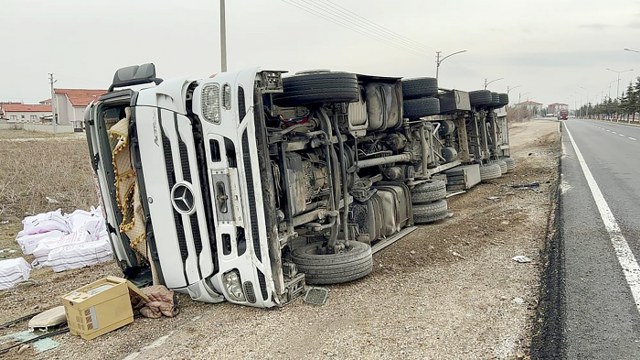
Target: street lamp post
x: 511, y: 88
x: 440, y: 60
x: 619, y: 72
x: 486, y: 83
x: 223, y: 38
x: 587, y: 91
x: 579, y: 114
x: 610, y: 82
x: 575, y: 105
x: 520, y: 96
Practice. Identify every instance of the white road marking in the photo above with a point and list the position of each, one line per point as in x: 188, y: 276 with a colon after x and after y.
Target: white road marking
x: 627, y: 260
x: 621, y: 135
x: 632, y: 138
x: 613, y: 132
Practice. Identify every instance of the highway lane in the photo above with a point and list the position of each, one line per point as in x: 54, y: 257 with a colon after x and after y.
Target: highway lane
x: 602, y: 320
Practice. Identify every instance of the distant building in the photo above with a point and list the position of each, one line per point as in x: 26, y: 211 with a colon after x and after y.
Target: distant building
x: 556, y: 107
x: 534, y: 107
x: 70, y: 105
x: 24, y: 113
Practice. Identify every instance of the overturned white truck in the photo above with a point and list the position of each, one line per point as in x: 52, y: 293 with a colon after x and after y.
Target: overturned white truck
x: 247, y: 185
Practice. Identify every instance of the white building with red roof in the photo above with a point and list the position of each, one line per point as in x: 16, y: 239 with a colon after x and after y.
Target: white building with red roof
x: 24, y: 113
x: 70, y: 105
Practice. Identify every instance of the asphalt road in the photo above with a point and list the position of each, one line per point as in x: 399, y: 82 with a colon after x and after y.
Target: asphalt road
x: 602, y: 320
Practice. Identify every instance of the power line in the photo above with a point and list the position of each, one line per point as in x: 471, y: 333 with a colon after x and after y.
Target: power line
x: 330, y: 16
x: 381, y: 35
x: 383, y: 29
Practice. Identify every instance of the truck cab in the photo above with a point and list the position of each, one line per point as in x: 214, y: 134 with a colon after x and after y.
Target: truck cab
x: 190, y: 182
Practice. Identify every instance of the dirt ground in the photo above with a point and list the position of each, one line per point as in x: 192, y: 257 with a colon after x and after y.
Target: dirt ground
x: 447, y: 291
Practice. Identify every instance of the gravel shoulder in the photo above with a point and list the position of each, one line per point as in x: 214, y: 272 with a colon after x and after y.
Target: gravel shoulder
x: 447, y: 291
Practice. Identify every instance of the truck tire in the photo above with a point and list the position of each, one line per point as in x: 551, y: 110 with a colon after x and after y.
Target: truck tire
x: 317, y: 88
x: 427, y: 192
x: 503, y: 165
x: 489, y: 172
x: 480, y: 97
x: 352, y: 263
x: 428, y: 213
x: 495, y: 99
x: 511, y: 163
x: 417, y: 108
x: 504, y: 99
x: 419, y: 88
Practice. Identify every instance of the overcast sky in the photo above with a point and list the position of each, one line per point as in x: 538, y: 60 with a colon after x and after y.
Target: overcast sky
x: 550, y: 49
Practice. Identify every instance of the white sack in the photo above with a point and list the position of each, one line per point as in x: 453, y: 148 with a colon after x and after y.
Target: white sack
x: 13, y: 271
x: 79, y: 255
x: 46, y: 222
x: 28, y: 243
x: 47, y: 245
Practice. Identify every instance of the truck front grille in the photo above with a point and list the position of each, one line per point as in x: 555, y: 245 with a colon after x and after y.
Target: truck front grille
x: 253, y: 212
x: 171, y: 178
x: 248, y: 292
x: 194, y: 235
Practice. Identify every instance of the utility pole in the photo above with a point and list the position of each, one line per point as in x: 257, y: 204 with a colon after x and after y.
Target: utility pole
x: 223, y: 37
x: 54, y: 113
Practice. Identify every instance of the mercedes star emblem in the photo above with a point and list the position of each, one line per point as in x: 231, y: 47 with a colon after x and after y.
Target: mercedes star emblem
x: 182, y: 198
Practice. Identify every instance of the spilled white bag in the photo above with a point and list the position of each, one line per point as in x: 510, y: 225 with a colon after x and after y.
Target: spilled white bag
x: 13, y: 271
x: 79, y: 255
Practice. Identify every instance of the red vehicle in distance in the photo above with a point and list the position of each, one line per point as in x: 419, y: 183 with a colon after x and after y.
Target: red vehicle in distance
x: 563, y: 115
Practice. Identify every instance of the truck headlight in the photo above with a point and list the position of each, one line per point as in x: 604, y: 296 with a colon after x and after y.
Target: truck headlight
x: 211, y: 103
x: 233, y: 285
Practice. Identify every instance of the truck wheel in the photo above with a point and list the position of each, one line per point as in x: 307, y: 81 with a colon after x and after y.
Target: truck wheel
x: 417, y: 108
x: 504, y: 99
x: 317, y: 88
x: 480, y: 97
x: 511, y: 163
x: 489, y: 172
x: 419, y: 88
x: 353, y: 262
x: 503, y: 165
x: 428, y: 213
x: 429, y: 191
x: 495, y: 99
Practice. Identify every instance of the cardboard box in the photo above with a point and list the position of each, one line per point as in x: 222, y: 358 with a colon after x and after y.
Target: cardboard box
x: 100, y: 307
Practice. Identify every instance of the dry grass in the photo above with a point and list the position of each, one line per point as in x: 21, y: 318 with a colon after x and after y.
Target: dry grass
x: 21, y: 134
x: 32, y: 170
